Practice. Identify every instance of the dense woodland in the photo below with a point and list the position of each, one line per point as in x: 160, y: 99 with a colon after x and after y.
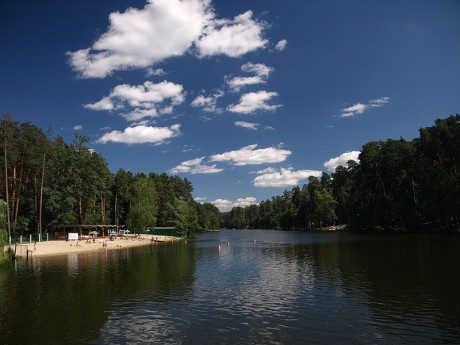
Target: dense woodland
x: 397, y: 185
x: 48, y: 181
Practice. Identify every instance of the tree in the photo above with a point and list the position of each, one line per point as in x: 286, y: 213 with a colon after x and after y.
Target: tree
x: 187, y: 216
x: 144, y: 208
x: 121, y: 193
x: 209, y: 217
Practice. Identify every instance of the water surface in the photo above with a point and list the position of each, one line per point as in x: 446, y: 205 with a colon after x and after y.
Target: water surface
x: 269, y: 287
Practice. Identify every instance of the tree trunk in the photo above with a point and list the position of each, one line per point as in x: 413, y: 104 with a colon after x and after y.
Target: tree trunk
x: 18, y: 195
x: 7, y: 193
x: 36, y: 203
x: 40, y: 212
x: 103, y: 208
x: 80, y: 210
x: 115, y: 211
x: 13, y: 195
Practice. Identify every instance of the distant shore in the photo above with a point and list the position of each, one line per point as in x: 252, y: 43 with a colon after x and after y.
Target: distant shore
x: 59, y: 247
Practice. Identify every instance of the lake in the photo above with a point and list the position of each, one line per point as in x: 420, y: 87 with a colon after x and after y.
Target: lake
x: 260, y: 287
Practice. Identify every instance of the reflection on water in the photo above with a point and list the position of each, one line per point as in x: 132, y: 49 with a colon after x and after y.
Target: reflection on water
x: 268, y: 287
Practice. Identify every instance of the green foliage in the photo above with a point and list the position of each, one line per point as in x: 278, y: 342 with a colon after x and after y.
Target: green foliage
x: 209, y: 217
x: 187, y: 216
x: 144, y: 209
x: 3, y: 232
x: 397, y: 185
x: 80, y: 189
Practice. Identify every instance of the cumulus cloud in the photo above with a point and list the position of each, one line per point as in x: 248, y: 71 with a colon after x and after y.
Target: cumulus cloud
x: 360, y: 108
x: 78, y: 128
x: 333, y: 163
x: 199, y: 199
x: 264, y: 171
x: 254, y: 101
x: 233, y: 38
x: 284, y: 178
x: 158, y: 72
x: 139, y: 38
x: 281, y: 45
x: 195, y: 166
x: 251, y: 155
x: 248, y: 125
x: 225, y: 205
x: 141, y: 135
x: 141, y: 101
x: 261, y: 72
x: 208, y: 103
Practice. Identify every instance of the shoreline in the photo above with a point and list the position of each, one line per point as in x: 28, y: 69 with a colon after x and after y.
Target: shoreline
x: 60, y: 247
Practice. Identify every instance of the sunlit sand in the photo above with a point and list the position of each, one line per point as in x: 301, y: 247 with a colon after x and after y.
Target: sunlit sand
x: 51, y: 248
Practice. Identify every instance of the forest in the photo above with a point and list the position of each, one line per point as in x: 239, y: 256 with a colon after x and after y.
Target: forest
x: 45, y: 181
x: 397, y: 185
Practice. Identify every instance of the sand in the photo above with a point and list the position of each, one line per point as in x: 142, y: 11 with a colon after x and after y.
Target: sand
x: 52, y: 248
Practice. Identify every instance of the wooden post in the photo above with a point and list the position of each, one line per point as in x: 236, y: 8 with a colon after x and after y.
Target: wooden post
x: 20, y: 239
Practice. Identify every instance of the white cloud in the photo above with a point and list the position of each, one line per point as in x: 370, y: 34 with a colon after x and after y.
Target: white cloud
x: 238, y: 83
x: 104, y: 104
x: 333, y: 163
x: 251, y: 155
x: 233, y: 38
x: 264, y: 171
x: 195, y: 166
x: 141, y: 135
x: 258, y: 69
x: 199, y: 199
x: 360, y: 108
x: 78, y: 128
x: 254, y: 101
x: 281, y: 45
x: 159, y: 72
x: 284, y: 177
x: 139, y: 38
x: 144, y: 100
x: 208, y: 103
x: 248, y: 125
x: 225, y: 205
x: 261, y: 72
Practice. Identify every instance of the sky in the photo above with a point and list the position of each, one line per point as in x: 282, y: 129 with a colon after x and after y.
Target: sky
x: 245, y: 99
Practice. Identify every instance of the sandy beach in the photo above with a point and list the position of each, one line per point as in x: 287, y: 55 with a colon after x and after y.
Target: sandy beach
x: 59, y: 247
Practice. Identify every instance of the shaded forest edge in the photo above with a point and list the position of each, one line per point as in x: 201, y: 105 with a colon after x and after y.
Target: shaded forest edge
x: 45, y: 181
x: 397, y: 186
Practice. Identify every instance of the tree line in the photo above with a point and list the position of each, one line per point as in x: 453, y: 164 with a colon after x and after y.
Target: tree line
x: 46, y: 181
x: 397, y: 185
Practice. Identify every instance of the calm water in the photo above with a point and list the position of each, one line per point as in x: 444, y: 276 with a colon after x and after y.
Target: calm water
x: 265, y: 287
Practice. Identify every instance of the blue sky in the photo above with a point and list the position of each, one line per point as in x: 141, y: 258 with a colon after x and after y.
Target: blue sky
x: 243, y: 98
